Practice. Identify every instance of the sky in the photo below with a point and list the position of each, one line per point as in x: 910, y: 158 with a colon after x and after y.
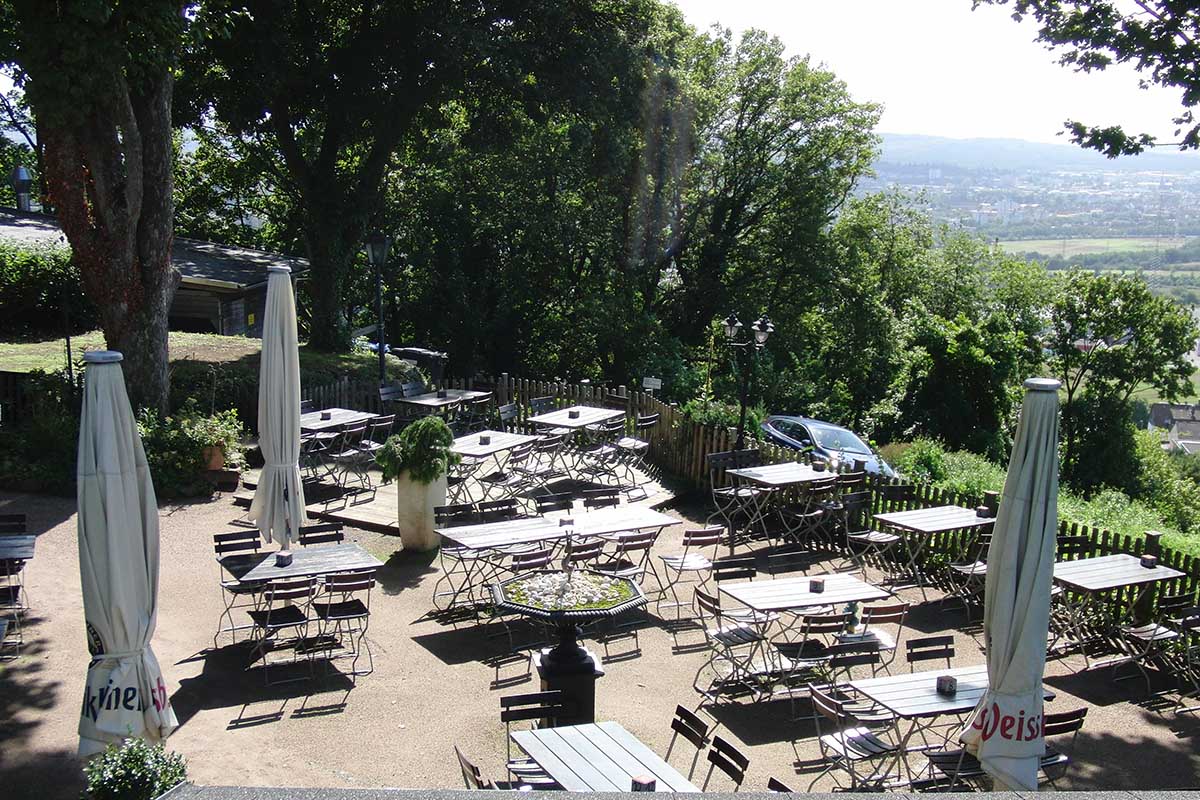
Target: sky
x: 941, y: 69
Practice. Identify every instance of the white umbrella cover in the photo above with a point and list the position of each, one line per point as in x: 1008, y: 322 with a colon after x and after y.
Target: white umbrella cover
x: 1005, y: 730
x: 125, y: 695
x: 278, y: 505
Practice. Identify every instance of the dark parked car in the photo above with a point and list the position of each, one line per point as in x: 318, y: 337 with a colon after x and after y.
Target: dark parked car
x: 826, y: 441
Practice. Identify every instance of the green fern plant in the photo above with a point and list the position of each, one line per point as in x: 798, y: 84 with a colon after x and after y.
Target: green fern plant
x: 422, y: 449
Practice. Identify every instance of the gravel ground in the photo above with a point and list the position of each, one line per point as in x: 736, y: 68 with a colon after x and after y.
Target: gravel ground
x: 434, y: 687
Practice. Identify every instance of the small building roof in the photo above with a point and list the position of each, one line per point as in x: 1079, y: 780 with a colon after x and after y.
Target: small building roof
x: 1163, y: 415
x: 202, y: 265
x: 1186, y: 430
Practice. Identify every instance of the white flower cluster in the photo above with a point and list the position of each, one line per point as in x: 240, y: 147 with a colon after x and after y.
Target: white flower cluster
x: 560, y: 591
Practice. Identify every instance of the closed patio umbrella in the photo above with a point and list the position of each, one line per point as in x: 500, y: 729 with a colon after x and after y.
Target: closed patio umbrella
x: 278, y: 505
x: 1005, y: 730
x: 118, y: 566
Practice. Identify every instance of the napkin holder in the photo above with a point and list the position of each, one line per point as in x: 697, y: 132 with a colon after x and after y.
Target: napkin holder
x: 441, y: 394
x: 818, y: 466
x: 1149, y: 562
x: 816, y: 585
x: 983, y: 512
x: 643, y: 783
x: 947, y: 685
x: 573, y: 413
x: 326, y: 415
x: 485, y: 439
x: 283, y: 558
x: 566, y: 522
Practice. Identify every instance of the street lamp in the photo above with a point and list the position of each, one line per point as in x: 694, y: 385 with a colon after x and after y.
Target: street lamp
x: 377, y: 246
x: 745, y: 353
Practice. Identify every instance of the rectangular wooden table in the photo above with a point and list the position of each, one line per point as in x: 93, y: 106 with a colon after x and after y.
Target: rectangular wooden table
x: 490, y: 535
x: 501, y: 442
x: 772, y: 479
x: 598, y: 757
x: 1086, y: 580
x: 306, y: 562
x: 914, y: 698
x: 793, y: 594
x: 588, y: 415
x: 431, y: 399
x: 312, y: 422
x: 919, y: 524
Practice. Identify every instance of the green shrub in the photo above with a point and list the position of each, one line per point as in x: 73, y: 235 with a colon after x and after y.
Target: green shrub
x: 923, y: 461
x: 422, y: 448
x: 1162, y: 485
x: 175, y: 447
x: 136, y: 770
x: 39, y: 453
x: 37, y: 282
x: 707, y: 411
x: 971, y: 474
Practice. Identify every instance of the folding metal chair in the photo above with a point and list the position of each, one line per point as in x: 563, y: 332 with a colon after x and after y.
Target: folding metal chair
x: 881, y: 626
x: 728, y: 759
x: 737, y: 653
x: 349, y: 456
x: 345, y: 611
x: 699, y: 551
x: 536, y: 708
x: 323, y: 533
x: 286, y: 605
x: 235, y: 594
x: 693, y: 730
x: 855, y: 750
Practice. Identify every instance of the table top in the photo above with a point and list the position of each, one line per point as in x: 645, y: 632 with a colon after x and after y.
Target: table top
x: 786, y: 474
x: 432, y: 400
x: 598, y: 757
x: 540, y: 529
x: 786, y: 594
x: 935, y: 520
x: 306, y: 562
x: 588, y: 415
x: 17, y: 546
x: 915, y: 695
x: 1100, y: 573
x: 337, y: 418
x: 469, y: 445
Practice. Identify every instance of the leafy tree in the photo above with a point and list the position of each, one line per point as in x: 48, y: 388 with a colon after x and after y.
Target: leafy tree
x: 98, y: 75
x: 1161, y: 38
x: 1109, y: 335
x: 328, y: 94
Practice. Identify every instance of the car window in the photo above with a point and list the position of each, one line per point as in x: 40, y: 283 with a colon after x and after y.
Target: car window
x: 834, y: 438
x: 791, y: 429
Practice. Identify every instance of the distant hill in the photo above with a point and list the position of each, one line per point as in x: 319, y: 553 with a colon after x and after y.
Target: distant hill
x: 1017, y: 154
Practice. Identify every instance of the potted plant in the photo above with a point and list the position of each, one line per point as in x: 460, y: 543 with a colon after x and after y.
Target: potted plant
x: 418, y: 459
x: 218, y: 436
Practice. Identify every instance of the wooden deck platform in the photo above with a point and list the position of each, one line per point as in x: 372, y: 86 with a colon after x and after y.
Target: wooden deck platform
x: 375, y: 510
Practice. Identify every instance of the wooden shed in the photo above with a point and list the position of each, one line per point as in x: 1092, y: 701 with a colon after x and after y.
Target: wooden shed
x: 222, y: 289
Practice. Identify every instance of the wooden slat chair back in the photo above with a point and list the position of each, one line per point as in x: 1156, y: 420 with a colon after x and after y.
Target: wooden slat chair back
x: 541, y: 405
x: 709, y: 605
x: 1170, y: 604
x: 380, y: 428
x: 856, y: 510
x: 288, y: 591
x: 506, y: 415
x: 890, y: 614
x: 531, y: 560
x: 616, y: 401
x: 929, y: 648
x: 472, y: 777
x: 1064, y: 722
x: 412, y: 389
x: 703, y: 537
x: 498, y: 510
x: 307, y: 406
x: 814, y: 626
x: 452, y: 515
x: 13, y: 524
x: 894, y: 496
x: 225, y: 544
x: 324, y: 533
x: 693, y: 730
x: 390, y: 394
x: 601, y: 498
x: 1057, y: 758
x: 546, y: 503
x: 734, y: 568
x: 537, y: 708
x: 635, y: 544
x: 646, y: 421
x: 846, y: 656
x: 1072, y: 547
x: 776, y: 785
x: 584, y: 551
x: 727, y: 758
x: 789, y: 558
x: 851, y: 481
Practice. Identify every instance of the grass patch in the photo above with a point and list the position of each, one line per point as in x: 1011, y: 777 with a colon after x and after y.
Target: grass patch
x: 1081, y: 247
x: 204, y: 348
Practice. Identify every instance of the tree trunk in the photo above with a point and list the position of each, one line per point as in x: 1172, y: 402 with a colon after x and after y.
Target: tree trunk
x: 108, y: 174
x: 332, y: 235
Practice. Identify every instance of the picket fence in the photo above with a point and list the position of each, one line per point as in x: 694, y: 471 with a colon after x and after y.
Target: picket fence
x: 680, y: 448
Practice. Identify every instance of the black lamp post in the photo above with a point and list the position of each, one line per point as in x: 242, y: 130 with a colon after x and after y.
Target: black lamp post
x: 377, y: 245
x: 745, y: 353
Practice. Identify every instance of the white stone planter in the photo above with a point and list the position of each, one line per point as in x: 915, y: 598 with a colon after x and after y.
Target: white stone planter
x: 414, y: 511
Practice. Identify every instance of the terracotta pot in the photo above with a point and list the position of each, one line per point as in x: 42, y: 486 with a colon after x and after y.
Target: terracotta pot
x: 414, y: 511
x: 214, y: 457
